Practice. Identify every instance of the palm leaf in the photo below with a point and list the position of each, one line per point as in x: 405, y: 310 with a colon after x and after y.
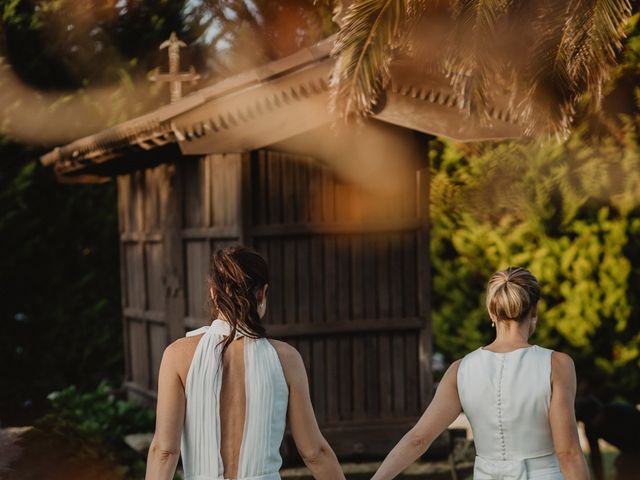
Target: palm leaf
x: 577, y: 47
x: 370, y: 32
x: 469, y: 62
x: 576, y: 44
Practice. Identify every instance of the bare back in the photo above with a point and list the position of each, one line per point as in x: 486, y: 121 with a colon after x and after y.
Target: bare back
x: 236, y: 406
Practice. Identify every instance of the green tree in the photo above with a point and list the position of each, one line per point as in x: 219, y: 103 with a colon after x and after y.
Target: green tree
x: 570, y: 212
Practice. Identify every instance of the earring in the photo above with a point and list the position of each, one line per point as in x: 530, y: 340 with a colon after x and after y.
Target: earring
x: 493, y: 324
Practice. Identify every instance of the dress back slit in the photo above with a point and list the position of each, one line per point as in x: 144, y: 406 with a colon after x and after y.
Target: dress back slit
x: 210, y: 411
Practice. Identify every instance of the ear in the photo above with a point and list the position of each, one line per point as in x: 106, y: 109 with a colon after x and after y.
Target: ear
x: 262, y: 293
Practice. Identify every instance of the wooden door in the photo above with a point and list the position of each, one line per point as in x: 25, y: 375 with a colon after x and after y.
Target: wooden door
x: 350, y: 291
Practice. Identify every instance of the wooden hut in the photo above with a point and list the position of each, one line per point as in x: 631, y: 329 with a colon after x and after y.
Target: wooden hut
x: 255, y: 160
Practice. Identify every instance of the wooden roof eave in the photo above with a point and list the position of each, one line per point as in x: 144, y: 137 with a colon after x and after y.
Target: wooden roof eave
x: 285, y: 98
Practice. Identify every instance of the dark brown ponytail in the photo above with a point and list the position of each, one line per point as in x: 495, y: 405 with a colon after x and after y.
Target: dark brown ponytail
x: 237, y: 273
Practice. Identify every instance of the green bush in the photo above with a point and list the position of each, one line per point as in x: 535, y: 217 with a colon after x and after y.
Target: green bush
x: 96, y: 423
x: 568, y: 212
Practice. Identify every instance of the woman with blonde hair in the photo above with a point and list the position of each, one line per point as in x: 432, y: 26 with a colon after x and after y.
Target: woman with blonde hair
x: 226, y: 391
x: 519, y: 398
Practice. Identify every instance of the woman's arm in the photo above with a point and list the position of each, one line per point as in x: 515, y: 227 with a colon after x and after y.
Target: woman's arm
x: 314, y: 449
x: 563, y: 418
x: 443, y: 409
x: 165, y: 446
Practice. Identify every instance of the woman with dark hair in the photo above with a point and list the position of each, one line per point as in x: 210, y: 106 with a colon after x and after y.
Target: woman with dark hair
x: 225, y: 391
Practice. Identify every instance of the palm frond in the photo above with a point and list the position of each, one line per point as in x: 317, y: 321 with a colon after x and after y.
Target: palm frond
x: 570, y: 48
x: 369, y: 34
x: 578, y: 44
x: 598, y: 40
x: 469, y: 62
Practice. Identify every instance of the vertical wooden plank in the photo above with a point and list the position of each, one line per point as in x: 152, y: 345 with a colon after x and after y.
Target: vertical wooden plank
x: 359, y: 377
x: 157, y: 344
x: 243, y: 209
x: 382, y: 263
x: 304, y: 274
x: 385, y: 367
x: 332, y: 375
x: 261, y: 184
x: 290, y: 281
x: 123, y: 185
x: 276, y: 290
x: 318, y: 369
x: 124, y: 200
x: 290, y: 207
x: 369, y: 271
x: 275, y: 189
x: 219, y: 191
x: 301, y: 168
x: 138, y: 182
x: 135, y: 275
x: 139, y: 354
x: 315, y: 193
x: 316, y: 272
x: 343, y: 269
x: 411, y: 380
x: 357, y: 281
x: 154, y: 272
x: 410, y: 268
x: 397, y: 275
x: 192, y: 188
x: 398, y: 374
x: 330, y: 279
x: 197, y: 292
x: 345, y: 377
x: 152, y: 200
x: 328, y: 196
x: 372, y: 375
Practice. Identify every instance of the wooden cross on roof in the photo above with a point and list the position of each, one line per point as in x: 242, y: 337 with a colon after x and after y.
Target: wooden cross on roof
x: 174, y: 77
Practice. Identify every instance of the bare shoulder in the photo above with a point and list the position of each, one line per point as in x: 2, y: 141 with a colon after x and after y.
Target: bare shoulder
x: 286, y: 352
x: 562, y: 362
x: 290, y: 359
x: 563, y: 370
x: 451, y: 375
x: 182, y: 346
x: 178, y: 355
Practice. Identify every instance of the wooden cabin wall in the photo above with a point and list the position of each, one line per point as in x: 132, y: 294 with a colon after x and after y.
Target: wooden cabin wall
x: 349, y: 282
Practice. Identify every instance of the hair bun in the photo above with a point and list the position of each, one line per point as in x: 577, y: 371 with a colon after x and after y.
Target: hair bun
x: 511, y: 294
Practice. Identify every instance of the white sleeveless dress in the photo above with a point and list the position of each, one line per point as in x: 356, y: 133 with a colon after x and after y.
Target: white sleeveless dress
x: 506, y: 398
x: 265, y: 416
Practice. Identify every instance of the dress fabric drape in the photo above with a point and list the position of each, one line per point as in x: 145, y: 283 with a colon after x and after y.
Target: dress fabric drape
x: 506, y: 397
x: 265, y: 414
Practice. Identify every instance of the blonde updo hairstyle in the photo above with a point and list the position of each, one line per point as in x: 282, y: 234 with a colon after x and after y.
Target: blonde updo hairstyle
x: 512, y: 294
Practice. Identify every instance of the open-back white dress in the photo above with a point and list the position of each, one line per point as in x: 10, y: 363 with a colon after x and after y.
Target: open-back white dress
x: 265, y: 415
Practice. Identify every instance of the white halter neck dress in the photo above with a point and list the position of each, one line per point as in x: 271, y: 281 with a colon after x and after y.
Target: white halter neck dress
x: 265, y: 416
x: 506, y: 398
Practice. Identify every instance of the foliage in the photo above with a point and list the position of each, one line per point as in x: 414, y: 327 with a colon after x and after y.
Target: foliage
x: 96, y: 423
x: 370, y: 33
x: 81, y: 66
x: 570, y: 212
x: 552, y: 52
x: 59, y: 283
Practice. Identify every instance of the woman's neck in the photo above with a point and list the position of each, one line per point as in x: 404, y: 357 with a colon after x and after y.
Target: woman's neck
x: 512, y: 334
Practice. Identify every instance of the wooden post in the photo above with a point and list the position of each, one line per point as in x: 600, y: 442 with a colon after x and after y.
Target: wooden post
x: 424, y: 276
x: 173, y: 261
